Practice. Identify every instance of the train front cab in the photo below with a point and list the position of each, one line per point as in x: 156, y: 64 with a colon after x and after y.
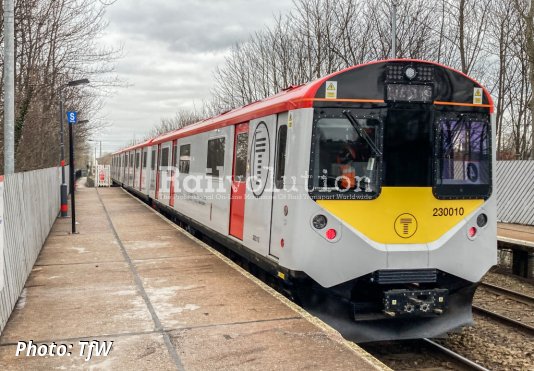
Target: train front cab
x: 401, y: 219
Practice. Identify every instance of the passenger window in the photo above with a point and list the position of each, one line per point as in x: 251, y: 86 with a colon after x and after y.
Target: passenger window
x: 164, y: 157
x: 215, y: 160
x: 174, y: 152
x: 185, y: 159
x: 153, y: 160
x: 240, y: 170
x: 144, y: 159
x: 280, y: 162
x: 137, y: 160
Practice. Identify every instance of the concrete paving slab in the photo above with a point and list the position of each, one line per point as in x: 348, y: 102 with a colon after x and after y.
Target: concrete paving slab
x: 130, y: 352
x: 199, y: 291
x: 58, y: 313
x: 80, y: 248
x: 292, y: 344
x: 78, y: 276
x: 166, y: 301
x: 163, y: 244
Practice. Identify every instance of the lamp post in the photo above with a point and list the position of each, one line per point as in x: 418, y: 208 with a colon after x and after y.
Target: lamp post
x: 96, y: 142
x: 72, y: 174
x: 63, y: 187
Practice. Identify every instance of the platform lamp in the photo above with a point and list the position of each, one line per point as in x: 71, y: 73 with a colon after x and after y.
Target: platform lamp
x: 63, y: 187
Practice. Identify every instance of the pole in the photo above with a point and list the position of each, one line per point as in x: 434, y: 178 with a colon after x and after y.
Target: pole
x: 100, y: 150
x: 71, y: 171
x: 9, y: 86
x: 63, y: 187
x: 394, y: 30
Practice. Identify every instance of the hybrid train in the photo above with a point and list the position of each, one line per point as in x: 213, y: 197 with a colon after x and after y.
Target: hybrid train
x: 372, y: 185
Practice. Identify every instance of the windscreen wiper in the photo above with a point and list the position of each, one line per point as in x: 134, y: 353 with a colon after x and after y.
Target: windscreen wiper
x: 362, y: 133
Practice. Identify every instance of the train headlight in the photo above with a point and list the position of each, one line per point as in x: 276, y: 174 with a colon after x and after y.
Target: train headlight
x: 331, y: 234
x: 482, y: 220
x: 472, y: 232
x: 410, y: 73
x: 319, y: 221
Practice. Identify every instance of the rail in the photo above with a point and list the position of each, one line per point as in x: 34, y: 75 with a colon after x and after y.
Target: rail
x: 458, y: 357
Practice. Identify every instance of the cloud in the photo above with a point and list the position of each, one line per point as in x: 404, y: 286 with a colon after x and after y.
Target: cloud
x: 171, y: 49
x: 192, y: 25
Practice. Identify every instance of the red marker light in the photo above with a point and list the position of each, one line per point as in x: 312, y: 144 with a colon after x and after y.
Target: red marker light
x: 472, y: 232
x: 282, y: 243
x: 331, y: 234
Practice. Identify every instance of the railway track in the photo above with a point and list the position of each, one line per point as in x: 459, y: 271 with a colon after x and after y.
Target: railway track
x: 514, y: 295
x: 456, y: 356
x: 526, y: 299
x: 419, y: 354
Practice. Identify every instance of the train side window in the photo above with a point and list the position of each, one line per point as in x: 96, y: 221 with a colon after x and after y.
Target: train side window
x: 240, y: 171
x: 215, y: 161
x: 185, y: 159
x: 153, y: 160
x: 280, y: 161
x: 144, y: 159
x: 174, y: 160
x: 164, y: 157
x: 137, y: 160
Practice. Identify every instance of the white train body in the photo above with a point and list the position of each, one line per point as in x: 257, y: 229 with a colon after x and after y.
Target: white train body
x: 396, y: 239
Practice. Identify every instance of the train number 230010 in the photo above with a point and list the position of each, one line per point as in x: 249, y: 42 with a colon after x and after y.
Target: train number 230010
x: 448, y: 211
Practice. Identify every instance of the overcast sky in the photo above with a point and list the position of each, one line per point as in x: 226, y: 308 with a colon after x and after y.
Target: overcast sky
x: 171, y: 48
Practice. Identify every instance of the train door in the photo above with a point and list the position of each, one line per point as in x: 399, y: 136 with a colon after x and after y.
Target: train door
x: 153, y: 158
x: 124, y: 163
x: 131, y: 169
x: 279, y: 202
x: 129, y: 166
x: 256, y: 233
x: 137, y: 171
x: 172, y: 172
x: 239, y: 170
x: 142, y: 184
x: 164, y: 180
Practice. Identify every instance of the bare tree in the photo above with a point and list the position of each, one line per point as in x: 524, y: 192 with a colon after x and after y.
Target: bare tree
x: 56, y: 41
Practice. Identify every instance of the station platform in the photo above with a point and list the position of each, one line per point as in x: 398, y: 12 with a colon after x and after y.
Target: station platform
x: 519, y: 239
x: 516, y: 234
x: 165, y: 299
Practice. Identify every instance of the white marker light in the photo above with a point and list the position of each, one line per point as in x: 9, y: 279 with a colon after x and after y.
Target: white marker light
x: 410, y: 73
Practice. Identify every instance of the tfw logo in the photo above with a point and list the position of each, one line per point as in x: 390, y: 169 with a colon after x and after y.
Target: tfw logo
x: 405, y: 225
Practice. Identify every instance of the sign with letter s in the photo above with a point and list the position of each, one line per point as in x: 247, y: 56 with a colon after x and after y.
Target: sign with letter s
x: 72, y: 117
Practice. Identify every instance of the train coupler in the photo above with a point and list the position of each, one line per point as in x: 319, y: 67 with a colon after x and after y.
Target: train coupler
x: 415, y: 302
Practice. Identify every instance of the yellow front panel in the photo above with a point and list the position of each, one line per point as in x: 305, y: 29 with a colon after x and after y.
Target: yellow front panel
x: 402, y: 215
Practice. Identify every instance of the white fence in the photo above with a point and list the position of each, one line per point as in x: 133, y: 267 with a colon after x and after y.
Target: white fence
x: 31, y: 205
x: 514, y: 183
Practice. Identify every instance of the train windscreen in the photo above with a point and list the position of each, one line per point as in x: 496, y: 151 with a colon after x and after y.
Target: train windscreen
x: 463, y: 158
x: 346, y: 155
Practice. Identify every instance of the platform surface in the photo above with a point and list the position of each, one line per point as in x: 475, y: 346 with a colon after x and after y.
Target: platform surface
x: 165, y: 300
x: 516, y: 234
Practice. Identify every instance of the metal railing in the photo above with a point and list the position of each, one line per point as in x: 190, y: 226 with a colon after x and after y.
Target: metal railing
x: 31, y: 205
